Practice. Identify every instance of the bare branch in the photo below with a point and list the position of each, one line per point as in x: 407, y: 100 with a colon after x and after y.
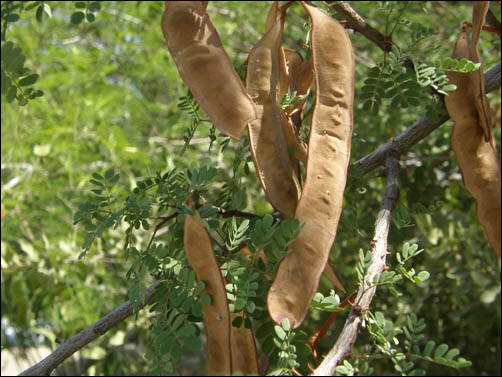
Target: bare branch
x: 367, y: 289
x: 68, y: 348
x: 418, y: 131
x: 357, y: 23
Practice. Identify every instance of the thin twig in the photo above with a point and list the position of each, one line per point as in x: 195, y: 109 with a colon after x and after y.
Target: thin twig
x: 68, y: 348
x: 418, y: 131
x: 233, y: 212
x: 159, y: 225
x: 343, y: 346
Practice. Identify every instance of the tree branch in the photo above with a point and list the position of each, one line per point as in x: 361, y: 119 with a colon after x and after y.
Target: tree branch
x: 418, y: 131
x: 357, y: 23
x: 367, y: 289
x: 68, y: 348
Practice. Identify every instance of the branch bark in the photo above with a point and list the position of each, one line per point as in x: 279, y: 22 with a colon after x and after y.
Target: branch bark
x: 367, y: 289
x: 418, y: 131
x: 68, y: 348
x: 357, y: 23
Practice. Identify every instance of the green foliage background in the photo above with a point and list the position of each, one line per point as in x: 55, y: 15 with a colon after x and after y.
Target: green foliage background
x: 110, y: 101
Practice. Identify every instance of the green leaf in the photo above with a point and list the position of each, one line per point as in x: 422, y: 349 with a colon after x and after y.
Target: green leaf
x: 199, y: 287
x: 285, y: 324
x: 80, y: 5
x: 490, y: 295
x: 29, y: 80
x: 187, y: 330
x: 452, y: 354
x: 281, y: 334
x: 176, y: 352
x: 47, y: 10
x: 342, y: 370
x: 205, y: 300
x: 94, y: 7
x: 90, y: 17
x: 240, y: 303
x: 441, y: 350
x: 192, y: 344
x: 177, y: 322
x: 97, y: 183
x: 237, y: 322
x: 88, y: 240
x: 98, y: 177
x: 77, y: 18
x: 109, y: 174
x: 40, y: 13
x: 42, y: 150
x: 6, y: 82
x: 11, y: 94
x: 13, y: 17
x: 422, y: 276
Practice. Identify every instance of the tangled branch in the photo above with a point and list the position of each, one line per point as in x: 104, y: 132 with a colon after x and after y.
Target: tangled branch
x: 367, y: 289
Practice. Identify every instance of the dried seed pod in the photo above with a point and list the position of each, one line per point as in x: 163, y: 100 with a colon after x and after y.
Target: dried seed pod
x: 217, y: 323
x: 204, y: 66
x: 320, y: 205
x: 283, y: 71
x: 476, y: 156
x: 329, y: 271
x: 297, y: 150
x: 266, y: 139
x: 244, y: 356
x: 301, y: 78
x: 480, y: 8
x: 333, y: 277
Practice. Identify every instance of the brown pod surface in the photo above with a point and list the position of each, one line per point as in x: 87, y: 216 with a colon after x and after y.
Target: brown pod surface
x: 476, y: 157
x: 244, y: 356
x: 204, y: 66
x: 320, y: 205
x: 216, y: 317
x: 301, y: 79
x: 267, y: 142
x: 477, y: 82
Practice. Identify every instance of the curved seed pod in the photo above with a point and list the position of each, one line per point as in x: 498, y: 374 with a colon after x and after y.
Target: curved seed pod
x: 267, y: 142
x: 296, y: 149
x: 333, y: 277
x: 301, y: 78
x: 480, y: 8
x: 476, y: 157
x: 320, y: 205
x: 271, y: 16
x: 329, y: 271
x: 217, y: 323
x: 205, y: 67
x: 244, y: 356
x: 283, y: 71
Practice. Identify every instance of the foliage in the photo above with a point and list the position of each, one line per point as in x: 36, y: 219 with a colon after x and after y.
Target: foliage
x: 115, y: 145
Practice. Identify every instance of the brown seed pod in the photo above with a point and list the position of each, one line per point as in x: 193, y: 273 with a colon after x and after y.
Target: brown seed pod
x: 204, y: 66
x: 267, y: 141
x: 476, y: 156
x: 480, y: 8
x: 244, y: 356
x: 217, y: 323
x: 320, y: 205
x: 301, y: 78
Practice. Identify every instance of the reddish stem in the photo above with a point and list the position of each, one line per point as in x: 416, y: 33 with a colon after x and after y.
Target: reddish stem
x: 320, y: 334
x: 485, y: 28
